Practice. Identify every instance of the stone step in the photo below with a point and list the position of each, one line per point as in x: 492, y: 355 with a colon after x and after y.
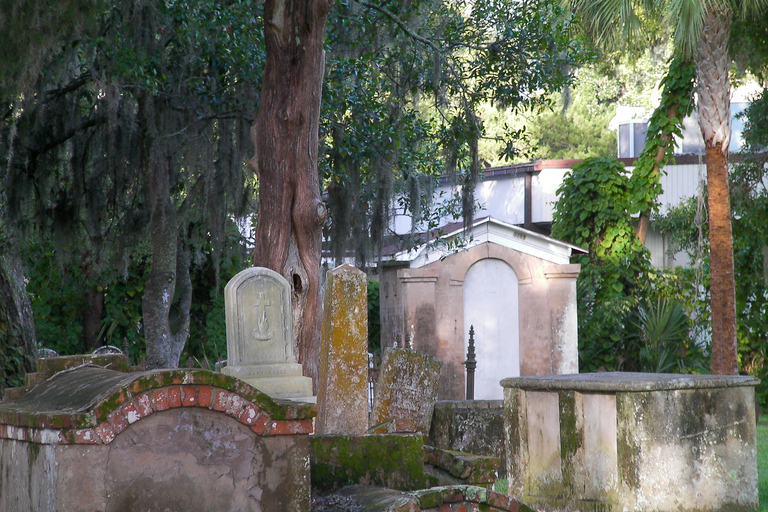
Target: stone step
x: 466, y: 468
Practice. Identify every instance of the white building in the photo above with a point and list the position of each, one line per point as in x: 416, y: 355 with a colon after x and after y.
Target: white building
x: 524, y: 194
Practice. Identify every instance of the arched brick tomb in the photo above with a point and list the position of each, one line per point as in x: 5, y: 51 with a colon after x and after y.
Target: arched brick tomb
x: 95, y: 439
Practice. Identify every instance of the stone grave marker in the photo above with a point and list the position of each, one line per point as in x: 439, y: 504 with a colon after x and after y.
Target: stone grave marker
x: 406, y: 391
x: 257, y: 303
x: 342, y: 396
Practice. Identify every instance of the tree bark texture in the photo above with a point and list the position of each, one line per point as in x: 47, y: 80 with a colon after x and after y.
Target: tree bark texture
x: 164, y: 346
x: 291, y: 211
x: 19, y: 346
x: 712, y: 67
x: 94, y: 310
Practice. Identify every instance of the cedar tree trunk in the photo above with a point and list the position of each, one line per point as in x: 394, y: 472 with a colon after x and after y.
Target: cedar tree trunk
x: 712, y: 66
x: 94, y: 310
x: 291, y: 211
x: 163, y: 345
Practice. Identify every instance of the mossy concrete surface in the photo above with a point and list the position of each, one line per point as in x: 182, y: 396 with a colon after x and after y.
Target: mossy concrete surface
x: 470, y: 426
x: 406, y: 391
x: 616, y: 442
x: 454, y: 498
x: 386, y: 460
x: 49, y: 366
x: 92, y: 439
x: 85, y: 396
x: 468, y: 468
x: 342, y: 397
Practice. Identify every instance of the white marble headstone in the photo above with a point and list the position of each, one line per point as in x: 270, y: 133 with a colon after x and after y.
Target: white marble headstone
x: 257, y: 302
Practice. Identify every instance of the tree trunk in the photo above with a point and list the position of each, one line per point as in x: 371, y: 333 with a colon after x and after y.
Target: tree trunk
x: 163, y: 346
x: 712, y: 67
x: 644, y: 221
x: 94, y: 310
x: 291, y: 211
x: 18, y: 347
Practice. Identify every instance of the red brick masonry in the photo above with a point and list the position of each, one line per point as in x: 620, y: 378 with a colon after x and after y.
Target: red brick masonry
x: 454, y: 498
x: 66, y: 409
x: 462, y: 498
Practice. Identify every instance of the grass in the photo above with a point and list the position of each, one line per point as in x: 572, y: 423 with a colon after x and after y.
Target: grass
x: 762, y: 462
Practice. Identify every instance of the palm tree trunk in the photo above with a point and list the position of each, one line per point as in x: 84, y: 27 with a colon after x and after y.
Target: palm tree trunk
x: 712, y: 66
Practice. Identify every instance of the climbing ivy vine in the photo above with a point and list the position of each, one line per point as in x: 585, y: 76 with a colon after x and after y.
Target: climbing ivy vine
x: 665, y: 124
x: 595, y: 210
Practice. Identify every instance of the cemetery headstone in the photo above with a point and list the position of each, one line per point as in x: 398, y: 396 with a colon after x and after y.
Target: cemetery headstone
x: 257, y: 303
x: 342, y: 397
x: 406, y: 391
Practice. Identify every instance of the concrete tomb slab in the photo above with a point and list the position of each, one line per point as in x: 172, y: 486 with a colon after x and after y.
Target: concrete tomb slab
x: 257, y: 303
x: 619, y: 442
x: 96, y: 439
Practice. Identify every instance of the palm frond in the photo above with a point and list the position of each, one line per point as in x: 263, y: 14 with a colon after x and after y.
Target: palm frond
x: 607, y: 21
x: 687, y: 16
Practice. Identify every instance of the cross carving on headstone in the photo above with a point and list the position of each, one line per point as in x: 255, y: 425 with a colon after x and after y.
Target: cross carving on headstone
x: 263, y: 330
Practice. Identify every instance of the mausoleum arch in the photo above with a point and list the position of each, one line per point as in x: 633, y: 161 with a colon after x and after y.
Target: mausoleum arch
x: 491, y: 305
x: 493, y: 251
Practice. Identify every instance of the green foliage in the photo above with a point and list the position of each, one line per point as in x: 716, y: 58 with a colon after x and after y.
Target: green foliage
x: 749, y: 203
x: 577, y: 125
x: 58, y: 297
x: 572, y: 134
x: 208, y: 333
x: 14, y: 360
x: 755, y: 127
x: 58, y: 294
x: 762, y: 460
x: 629, y: 315
x: 121, y: 322
x: 617, y: 282
x: 167, y: 86
x: 58, y: 290
x: 666, y: 347
x: 680, y: 228
x: 405, y: 85
x: 32, y: 29
x: 749, y: 46
x: 592, y: 211
x: 665, y: 124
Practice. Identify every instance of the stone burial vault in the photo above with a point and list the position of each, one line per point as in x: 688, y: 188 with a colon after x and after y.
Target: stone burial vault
x: 92, y: 439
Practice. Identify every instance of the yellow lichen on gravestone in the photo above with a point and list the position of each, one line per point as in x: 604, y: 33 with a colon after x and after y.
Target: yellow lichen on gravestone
x: 342, y: 399
x: 406, y: 391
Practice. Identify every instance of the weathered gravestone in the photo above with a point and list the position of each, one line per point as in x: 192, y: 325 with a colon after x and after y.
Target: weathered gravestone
x: 342, y: 397
x: 406, y: 391
x: 645, y: 442
x: 257, y: 302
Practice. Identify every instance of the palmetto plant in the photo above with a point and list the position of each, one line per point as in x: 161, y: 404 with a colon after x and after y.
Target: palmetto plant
x: 701, y: 33
x: 662, y: 329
